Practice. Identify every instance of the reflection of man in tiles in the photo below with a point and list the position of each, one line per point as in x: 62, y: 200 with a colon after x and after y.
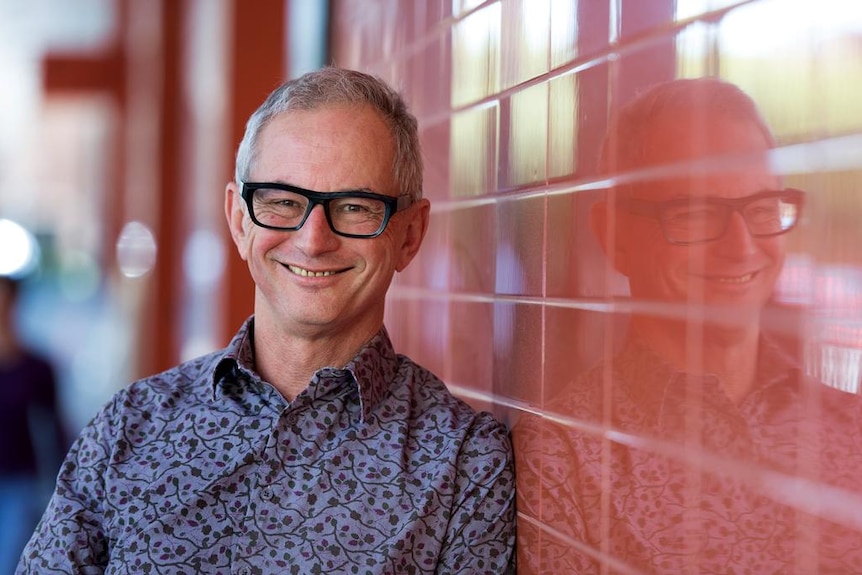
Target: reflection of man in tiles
x: 700, y: 447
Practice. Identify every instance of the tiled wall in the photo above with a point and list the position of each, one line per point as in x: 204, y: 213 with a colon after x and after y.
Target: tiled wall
x: 512, y: 301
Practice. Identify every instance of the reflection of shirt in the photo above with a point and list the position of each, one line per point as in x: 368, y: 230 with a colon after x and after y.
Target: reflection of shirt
x: 688, y: 481
x: 26, y: 387
x: 374, y: 468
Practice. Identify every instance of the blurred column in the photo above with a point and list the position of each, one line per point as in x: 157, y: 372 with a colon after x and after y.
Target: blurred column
x: 103, y: 73
x: 257, y: 57
x: 163, y: 324
x: 193, y: 169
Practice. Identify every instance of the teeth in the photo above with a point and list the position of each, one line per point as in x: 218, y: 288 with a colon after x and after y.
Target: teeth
x: 307, y: 273
x: 735, y: 280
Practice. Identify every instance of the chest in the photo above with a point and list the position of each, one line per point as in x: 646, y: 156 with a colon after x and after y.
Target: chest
x: 300, y: 487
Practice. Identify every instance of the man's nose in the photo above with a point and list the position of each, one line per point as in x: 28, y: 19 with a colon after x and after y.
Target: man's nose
x: 737, y: 240
x: 315, y: 235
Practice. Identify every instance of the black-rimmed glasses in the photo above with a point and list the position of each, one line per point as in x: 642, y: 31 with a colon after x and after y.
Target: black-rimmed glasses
x: 353, y: 214
x: 694, y: 220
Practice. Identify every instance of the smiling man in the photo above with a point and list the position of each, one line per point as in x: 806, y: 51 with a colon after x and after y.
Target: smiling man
x: 701, y: 446
x: 307, y: 445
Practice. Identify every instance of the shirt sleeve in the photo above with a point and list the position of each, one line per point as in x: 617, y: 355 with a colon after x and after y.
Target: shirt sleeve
x: 72, y: 537
x: 481, y: 532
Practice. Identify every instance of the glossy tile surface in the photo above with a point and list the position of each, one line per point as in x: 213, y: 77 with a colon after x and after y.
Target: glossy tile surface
x: 551, y: 276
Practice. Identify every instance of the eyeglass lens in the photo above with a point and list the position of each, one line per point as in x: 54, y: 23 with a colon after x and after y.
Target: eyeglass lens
x: 703, y: 221
x: 349, y: 215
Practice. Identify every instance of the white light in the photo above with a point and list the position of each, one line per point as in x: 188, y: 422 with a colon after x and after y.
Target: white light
x: 791, y: 24
x: 19, y: 252
x: 136, y: 250
x: 203, y: 259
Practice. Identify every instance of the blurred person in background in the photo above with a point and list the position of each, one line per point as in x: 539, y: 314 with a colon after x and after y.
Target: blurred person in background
x: 31, y: 429
x: 307, y: 445
x: 701, y: 446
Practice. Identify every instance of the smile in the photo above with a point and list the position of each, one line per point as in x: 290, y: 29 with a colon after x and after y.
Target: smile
x: 308, y: 273
x: 733, y: 280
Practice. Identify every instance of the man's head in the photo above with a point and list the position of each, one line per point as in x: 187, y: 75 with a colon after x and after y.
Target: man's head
x: 695, y: 216
x: 331, y: 86
x: 327, y: 205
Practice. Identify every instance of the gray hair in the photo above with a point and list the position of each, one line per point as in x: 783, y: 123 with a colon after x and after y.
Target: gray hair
x: 332, y: 86
x: 689, y: 100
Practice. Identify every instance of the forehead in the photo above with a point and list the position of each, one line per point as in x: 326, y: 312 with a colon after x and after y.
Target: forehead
x: 713, y: 156
x: 330, y: 148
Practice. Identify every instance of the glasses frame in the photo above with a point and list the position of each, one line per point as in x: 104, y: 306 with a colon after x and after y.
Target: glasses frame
x: 392, y: 205
x: 655, y: 210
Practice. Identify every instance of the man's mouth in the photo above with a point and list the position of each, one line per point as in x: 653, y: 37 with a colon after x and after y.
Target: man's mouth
x: 733, y: 279
x: 310, y: 274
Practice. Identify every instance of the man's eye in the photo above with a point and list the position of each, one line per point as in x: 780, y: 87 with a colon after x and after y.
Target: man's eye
x: 354, y: 208
x: 358, y: 207
x: 690, y: 215
x: 763, y: 209
x: 286, y: 203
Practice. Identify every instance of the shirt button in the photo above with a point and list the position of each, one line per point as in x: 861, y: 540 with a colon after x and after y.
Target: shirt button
x: 244, y: 571
x: 266, y: 493
x: 292, y: 418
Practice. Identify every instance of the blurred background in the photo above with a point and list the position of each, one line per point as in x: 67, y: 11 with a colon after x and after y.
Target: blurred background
x: 119, y: 121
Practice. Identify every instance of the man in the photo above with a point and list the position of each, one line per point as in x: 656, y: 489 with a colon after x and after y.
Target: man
x: 307, y: 445
x: 31, y: 427
x: 701, y: 446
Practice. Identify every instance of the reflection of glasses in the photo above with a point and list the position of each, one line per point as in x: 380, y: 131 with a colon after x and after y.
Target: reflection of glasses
x: 694, y: 220
x: 353, y: 214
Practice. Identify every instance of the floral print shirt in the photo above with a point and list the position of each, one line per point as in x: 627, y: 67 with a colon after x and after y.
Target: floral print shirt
x: 205, y: 468
x: 643, y: 469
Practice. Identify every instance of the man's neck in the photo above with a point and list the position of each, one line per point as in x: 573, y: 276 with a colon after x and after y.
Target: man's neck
x: 288, y: 361
x: 699, y: 349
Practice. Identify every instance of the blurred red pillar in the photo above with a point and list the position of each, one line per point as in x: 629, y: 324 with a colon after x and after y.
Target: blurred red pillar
x: 259, y: 56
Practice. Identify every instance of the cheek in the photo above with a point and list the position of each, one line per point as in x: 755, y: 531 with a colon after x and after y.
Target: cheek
x: 664, y: 271
x: 259, y: 242
x: 381, y: 253
x: 657, y: 257
x: 670, y: 267
x: 774, y: 248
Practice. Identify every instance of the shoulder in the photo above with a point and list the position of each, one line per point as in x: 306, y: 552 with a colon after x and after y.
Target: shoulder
x: 422, y: 398
x: 583, y: 396
x: 427, y: 393
x: 843, y: 410
x: 179, y: 388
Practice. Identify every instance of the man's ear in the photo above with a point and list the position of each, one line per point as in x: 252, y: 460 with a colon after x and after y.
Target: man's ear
x: 603, y: 223
x: 417, y: 225
x: 236, y: 220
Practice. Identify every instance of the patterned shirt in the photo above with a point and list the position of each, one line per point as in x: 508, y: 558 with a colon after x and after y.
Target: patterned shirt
x: 205, y: 468
x: 650, y: 470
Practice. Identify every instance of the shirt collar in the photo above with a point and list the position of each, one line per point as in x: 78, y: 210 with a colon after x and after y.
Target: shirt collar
x: 237, y: 355
x: 373, y: 368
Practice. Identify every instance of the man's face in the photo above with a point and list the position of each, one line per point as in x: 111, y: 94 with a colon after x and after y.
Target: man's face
x: 733, y: 270
x: 312, y: 282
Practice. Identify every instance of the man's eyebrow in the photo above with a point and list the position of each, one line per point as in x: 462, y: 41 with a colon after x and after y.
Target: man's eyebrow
x: 339, y: 191
x: 706, y: 198
x: 364, y: 190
